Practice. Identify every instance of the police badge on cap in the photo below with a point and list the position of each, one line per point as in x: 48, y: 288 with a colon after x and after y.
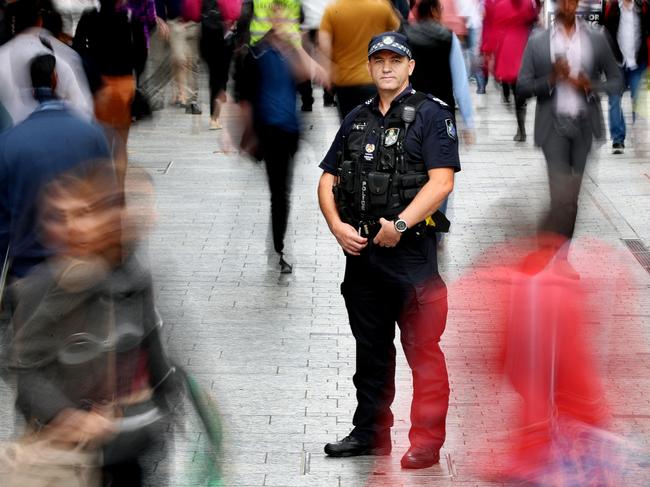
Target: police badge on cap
x: 390, y: 41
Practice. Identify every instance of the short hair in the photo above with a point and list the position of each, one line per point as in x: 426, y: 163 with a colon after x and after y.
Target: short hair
x: 425, y: 7
x: 41, y: 70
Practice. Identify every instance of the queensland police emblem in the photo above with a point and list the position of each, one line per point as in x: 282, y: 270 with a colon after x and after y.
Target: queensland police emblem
x: 390, y: 137
x: 370, y: 148
x: 388, y: 40
x: 451, y: 128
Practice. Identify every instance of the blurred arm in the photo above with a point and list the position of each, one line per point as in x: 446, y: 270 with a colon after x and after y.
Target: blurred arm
x: 460, y: 83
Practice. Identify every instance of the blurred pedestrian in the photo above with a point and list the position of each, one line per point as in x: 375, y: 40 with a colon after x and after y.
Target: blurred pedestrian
x: 29, y: 40
x: 628, y: 25
x: 271, y: 70
x: 343, y: 39
x: 513, y: 21
x: 92, y: 374
x: 106, y: 40
x: 157, y: 72
x: 218, y: 19
x: 64, y: 141
x: 313, y: 14
x: 439, y: 64
x: 71, y: 12
x: 184, y: 36
x: 566, y: 79
x: 472, y: 11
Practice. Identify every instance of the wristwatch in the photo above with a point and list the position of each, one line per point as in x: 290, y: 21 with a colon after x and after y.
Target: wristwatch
x: 400, y: 225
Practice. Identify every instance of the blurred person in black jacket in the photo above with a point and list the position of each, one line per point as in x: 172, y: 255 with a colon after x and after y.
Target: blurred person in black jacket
x: 106, y: 40
x: 628, y: 25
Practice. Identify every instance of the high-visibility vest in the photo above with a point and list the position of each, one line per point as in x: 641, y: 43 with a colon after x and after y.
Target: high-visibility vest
x: 261, y: 22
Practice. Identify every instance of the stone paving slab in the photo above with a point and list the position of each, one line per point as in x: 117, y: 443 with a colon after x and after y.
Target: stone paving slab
x: 276, y: 351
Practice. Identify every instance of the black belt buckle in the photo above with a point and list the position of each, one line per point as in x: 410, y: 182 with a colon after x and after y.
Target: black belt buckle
x: 368, y: 229
x: 364, y: 229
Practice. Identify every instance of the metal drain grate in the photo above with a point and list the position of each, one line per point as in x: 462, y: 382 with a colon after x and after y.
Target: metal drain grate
x: 639, y: 251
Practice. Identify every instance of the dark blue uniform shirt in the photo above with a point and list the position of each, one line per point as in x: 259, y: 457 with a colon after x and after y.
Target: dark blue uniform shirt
x: 431, y: 138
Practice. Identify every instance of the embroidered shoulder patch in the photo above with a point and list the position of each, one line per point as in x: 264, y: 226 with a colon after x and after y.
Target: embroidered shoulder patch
x: 451, y: 128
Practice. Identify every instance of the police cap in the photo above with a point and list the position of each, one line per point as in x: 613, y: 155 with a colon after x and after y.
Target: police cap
x: 390, y: 41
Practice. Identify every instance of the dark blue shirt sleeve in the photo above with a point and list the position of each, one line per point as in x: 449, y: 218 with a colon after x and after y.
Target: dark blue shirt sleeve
x: 330, y: 161
x: 436, y: 133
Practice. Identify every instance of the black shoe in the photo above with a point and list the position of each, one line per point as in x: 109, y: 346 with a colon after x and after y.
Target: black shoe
x: 352, y: 447
x: 520, y: 136
x: 329, y: 103
x: 306, y: 108
x: 285, y: 267
x: 193, y: 108
x: 418, y: 457
x: 618, y: 148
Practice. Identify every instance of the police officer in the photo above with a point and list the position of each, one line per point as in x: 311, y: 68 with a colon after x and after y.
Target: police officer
x: 391, y: 165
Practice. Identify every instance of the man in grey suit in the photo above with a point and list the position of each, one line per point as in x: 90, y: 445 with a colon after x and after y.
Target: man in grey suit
x: 562, y: 66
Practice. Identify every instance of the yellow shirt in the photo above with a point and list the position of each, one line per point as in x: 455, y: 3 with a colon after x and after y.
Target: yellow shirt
x: 352, y: 23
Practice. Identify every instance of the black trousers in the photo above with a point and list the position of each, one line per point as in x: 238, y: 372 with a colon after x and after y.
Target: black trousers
x: 349, y: 97
x: 277, y: 148
x: 382, y: 287
x: 305, y: 88
x: 566, y: 150
x: 217, y: 54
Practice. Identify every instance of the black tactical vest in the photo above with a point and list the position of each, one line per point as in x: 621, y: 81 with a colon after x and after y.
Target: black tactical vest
x: 376, y: 176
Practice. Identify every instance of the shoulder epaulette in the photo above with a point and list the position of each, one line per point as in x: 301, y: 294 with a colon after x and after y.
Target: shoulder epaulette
x: 437, y: 100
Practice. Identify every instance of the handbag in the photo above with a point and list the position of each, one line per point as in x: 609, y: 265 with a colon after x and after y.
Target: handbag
x: 36, y: 462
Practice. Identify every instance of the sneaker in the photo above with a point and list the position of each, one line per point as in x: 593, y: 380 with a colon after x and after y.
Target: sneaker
x: 618, y: 148
x: 215, y: 125
x: 285, y: 267
x: 193, y: 108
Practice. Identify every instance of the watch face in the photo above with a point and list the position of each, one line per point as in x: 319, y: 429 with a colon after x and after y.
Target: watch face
x: 400, y: 225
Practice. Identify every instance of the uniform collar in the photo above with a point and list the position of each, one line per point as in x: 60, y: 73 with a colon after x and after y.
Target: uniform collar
x: 374, y: 101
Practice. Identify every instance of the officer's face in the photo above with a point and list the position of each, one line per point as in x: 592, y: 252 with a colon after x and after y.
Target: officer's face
x: 390, y: 71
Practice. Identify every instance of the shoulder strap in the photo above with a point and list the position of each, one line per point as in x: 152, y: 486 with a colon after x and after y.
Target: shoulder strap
x: 416, y: 100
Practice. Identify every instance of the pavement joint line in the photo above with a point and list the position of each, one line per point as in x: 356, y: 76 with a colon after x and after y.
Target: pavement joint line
x: 624, y: 232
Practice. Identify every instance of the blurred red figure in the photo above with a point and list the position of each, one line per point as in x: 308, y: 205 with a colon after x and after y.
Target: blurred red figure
x: 546, y: 355
x: 556, y: 340
x: 506, y: 27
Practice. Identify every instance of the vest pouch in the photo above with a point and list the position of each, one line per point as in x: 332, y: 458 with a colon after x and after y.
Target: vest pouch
x: 410, y: 185
x: 409, y: 194
x: 346, y: 176
x: 408, y: 181
x: 378, y: 184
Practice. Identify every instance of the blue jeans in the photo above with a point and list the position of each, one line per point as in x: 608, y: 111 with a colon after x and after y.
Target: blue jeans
x: 632, y: 79
x: 474, y: 58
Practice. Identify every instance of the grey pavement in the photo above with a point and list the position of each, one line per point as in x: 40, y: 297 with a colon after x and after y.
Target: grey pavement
x: 276, y: 351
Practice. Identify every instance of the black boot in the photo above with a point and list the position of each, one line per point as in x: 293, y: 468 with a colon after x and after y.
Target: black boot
x: 521, y: 125
x: 285, y: 267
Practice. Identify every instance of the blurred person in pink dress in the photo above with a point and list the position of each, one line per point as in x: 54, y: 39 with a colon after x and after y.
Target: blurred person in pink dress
x: 506, y: 28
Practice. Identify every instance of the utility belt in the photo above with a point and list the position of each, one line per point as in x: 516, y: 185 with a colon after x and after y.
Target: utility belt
x: 436, y: 223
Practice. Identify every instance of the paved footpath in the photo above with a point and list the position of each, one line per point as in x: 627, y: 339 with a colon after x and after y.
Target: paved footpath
x: 276, y: 351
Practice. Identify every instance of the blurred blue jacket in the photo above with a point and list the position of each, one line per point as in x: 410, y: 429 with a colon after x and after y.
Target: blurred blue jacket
x: 34, y: 152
